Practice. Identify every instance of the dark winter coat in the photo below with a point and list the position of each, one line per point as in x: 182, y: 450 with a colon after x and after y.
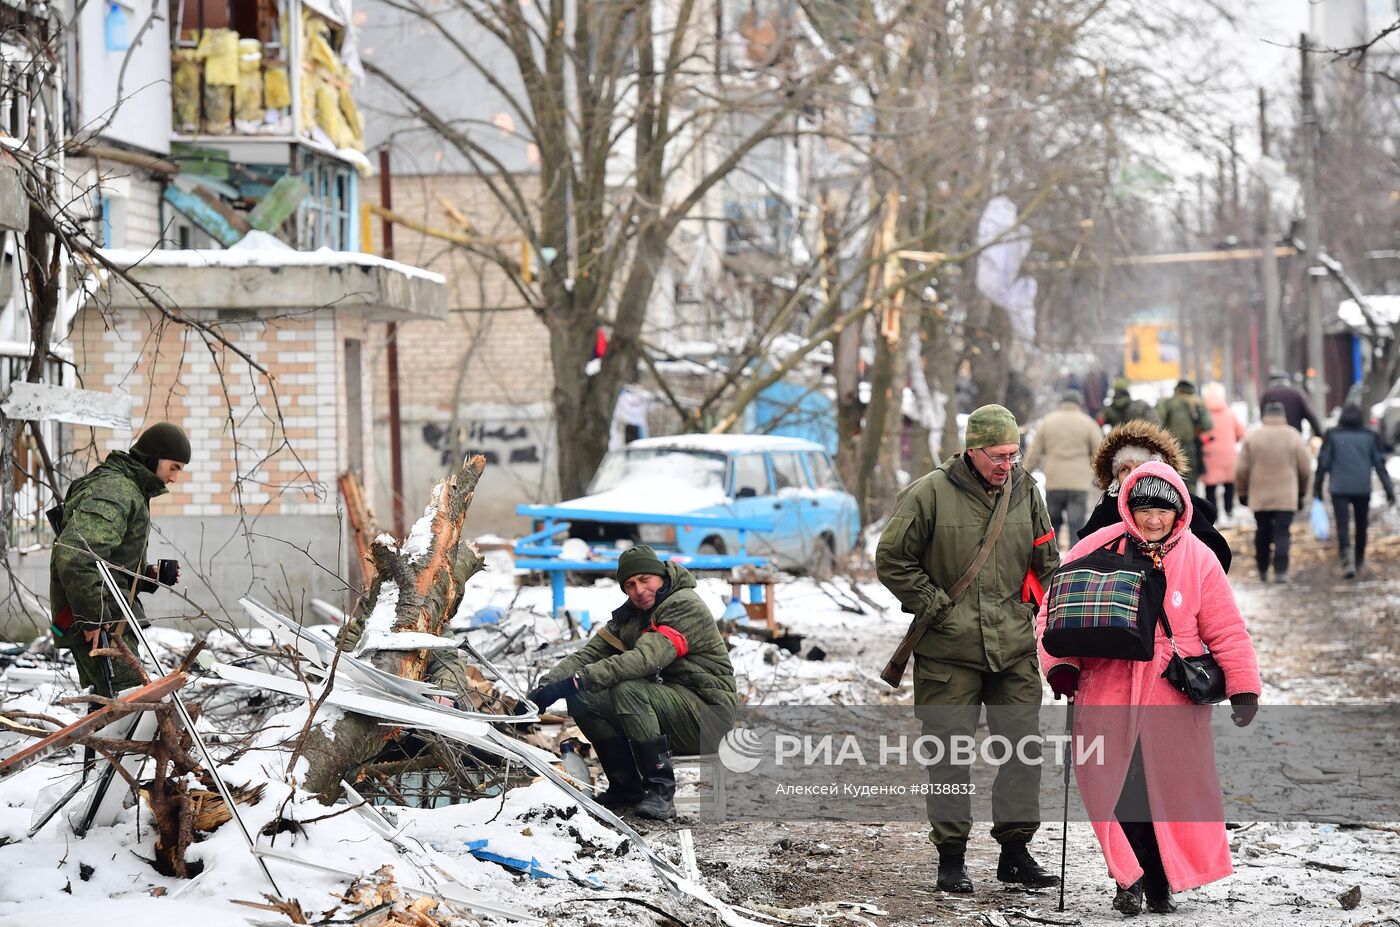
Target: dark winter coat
x: 1202, y: 525
x: 1349, y: 453
x: 1186, y: 417
x: 106, y: 516
x: 1124, y: 409
x: 677, y: 640
x: 933, y: 535
x: 1296, y: 408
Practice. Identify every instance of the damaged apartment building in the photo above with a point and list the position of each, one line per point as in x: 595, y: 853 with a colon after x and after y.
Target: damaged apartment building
x: 210, y: 154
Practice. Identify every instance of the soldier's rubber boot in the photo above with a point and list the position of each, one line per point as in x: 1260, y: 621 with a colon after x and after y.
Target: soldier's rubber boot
x: 1348, y: 565
x: 658, y: 779
x: 952, y: 872
x: 624, y: 782
x: 1017, y: 865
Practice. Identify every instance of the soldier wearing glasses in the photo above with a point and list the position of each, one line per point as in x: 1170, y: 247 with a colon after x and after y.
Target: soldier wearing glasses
x: 981, y: 649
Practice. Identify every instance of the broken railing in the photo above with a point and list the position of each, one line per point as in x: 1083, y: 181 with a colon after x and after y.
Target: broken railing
x: 537, y: 552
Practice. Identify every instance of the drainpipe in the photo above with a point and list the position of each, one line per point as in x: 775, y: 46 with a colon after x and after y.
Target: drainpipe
x: 386, y: 231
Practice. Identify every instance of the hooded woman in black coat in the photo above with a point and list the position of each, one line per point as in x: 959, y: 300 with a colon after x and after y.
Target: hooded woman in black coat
x: 1349, y: 454
x: 1125, y: 449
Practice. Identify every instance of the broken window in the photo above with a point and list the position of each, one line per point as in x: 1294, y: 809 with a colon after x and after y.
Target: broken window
x: 324, y: 216
x: 230, y: 67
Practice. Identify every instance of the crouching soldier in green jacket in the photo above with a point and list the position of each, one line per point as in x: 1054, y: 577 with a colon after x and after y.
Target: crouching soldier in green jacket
x: 107, y: 516
x: 657, y: 678
x: 980, y: 648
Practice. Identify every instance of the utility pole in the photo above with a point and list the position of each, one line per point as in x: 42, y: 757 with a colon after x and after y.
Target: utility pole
x: 1317, y: 386
x: 1273, y: 334
x: 391, y: 337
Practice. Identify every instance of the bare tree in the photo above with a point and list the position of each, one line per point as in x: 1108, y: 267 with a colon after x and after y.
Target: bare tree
x: 593, y: 83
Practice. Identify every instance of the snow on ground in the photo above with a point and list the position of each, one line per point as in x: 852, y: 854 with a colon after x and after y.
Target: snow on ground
x: 536, y: 823
x: 1287, y: 874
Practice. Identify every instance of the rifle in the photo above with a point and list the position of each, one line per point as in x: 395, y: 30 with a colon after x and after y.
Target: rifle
x: 893, y: 673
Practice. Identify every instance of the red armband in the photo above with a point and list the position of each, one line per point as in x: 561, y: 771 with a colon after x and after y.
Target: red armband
x: 676, y: 638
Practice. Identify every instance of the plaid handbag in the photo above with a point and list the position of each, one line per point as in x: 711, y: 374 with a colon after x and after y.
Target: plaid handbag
x: 1105, y: 604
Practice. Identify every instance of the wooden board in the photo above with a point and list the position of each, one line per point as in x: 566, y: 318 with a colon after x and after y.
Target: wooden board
x: 65, y: 737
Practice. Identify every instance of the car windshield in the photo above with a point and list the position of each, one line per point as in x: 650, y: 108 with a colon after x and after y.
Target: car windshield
x: 697, y: 469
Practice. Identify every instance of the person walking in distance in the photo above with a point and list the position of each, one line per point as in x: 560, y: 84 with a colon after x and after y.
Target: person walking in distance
x: 1272, y: 477
x: 1296, y: 408
x: 1221, y: 447
x: 1064, y: 446
x: 1123, y: 408
x: 1188, y: 420
x: 1350, y: 452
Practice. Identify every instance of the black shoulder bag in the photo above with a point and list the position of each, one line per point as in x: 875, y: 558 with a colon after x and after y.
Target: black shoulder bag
x: 1200, y: 679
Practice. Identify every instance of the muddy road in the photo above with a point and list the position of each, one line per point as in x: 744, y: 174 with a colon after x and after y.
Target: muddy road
x: 1321, y: 640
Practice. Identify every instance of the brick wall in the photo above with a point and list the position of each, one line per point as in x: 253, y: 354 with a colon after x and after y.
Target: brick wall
x: 503, y: 407
x: 275, y: 451
x: 505, y: 347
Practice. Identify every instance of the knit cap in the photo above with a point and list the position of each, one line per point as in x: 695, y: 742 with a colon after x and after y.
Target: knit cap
x: 162, y: 441
x: 1153, y: 492
x: 990, y: 426
x: 636, y: 560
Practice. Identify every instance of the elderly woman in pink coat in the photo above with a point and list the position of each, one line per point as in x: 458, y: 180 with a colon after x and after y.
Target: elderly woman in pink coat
x: 1155, y: 799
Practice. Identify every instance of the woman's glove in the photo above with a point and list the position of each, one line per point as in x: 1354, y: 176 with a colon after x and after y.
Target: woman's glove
x: 547, y: 695
x: 1064, y: 681
x: 1245, y: 706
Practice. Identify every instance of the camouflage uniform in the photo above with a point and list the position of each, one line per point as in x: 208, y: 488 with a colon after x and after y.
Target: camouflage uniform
x: 106, y: 516
x: 665, y: 671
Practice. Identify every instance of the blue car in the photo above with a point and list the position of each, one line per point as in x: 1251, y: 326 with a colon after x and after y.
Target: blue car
x: 790, y: 481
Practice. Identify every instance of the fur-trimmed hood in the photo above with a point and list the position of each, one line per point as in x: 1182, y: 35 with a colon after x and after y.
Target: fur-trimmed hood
x: 1155, y: 438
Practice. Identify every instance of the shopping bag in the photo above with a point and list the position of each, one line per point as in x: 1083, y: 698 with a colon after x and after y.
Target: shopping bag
x: 1321, y: 529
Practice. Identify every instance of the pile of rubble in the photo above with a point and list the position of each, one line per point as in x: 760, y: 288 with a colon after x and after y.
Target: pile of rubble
x: 382, y: 768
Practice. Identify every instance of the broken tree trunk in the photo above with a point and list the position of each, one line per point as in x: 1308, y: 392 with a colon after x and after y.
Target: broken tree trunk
x: 361, y: 520
x: 417, y: 589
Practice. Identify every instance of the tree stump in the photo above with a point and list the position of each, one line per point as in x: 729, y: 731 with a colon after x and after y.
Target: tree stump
x: 417, y: 590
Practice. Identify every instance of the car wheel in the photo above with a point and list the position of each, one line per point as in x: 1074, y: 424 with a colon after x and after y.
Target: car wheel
x: 711, y: 547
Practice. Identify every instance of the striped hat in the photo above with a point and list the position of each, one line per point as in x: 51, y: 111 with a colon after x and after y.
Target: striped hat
x: 1153, y: 492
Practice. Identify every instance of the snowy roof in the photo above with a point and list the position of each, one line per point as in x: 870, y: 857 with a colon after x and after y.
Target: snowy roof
x: 728, y: 444
x: 262, y: 274
x: 1385, y: 310
x: 269, y: 256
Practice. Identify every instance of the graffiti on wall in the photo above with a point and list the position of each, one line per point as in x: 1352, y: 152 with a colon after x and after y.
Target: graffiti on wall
x: 498, y: 442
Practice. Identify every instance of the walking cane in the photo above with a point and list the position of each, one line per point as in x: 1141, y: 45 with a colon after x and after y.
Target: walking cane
x: 1064, y: 826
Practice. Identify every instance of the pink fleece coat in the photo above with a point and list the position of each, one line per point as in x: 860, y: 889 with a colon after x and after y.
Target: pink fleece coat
x: 1120, y: 699
x: 1222, y: 443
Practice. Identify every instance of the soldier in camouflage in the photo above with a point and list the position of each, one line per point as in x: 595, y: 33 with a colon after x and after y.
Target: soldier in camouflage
x: 107, y: 516
x: 656, y: 678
